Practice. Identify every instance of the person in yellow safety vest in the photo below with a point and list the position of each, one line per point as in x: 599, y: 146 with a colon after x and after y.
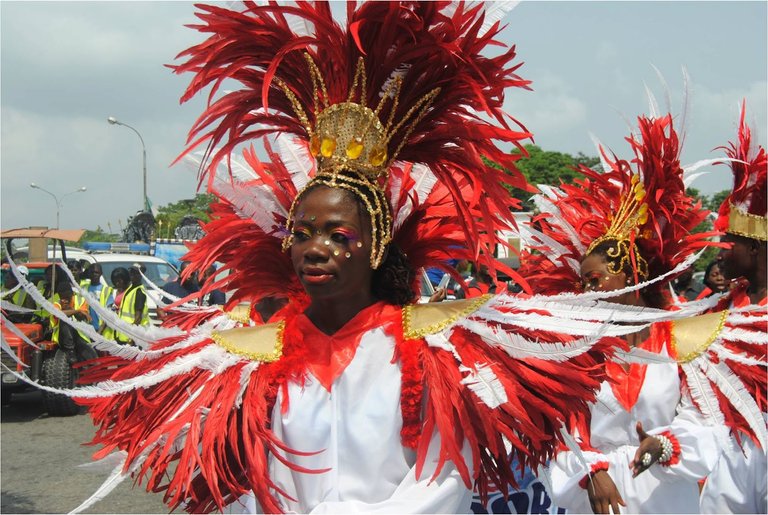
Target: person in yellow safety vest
x: 73, y: 342
x: 120, y: 282
x: 20, y: 297
x: 100, y: 290
x: 47, y: 288
x: 133, y: 306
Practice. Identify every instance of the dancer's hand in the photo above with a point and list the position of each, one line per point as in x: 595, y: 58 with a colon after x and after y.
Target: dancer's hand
x: 603, y: 494
x: 649, y: 445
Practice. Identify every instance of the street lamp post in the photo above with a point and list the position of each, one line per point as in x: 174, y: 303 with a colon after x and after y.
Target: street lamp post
x: 57, y: 199
x: 114, y: 121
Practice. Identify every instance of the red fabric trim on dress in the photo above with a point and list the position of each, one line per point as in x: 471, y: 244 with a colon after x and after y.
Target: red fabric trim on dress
x: 675, y: 458
x: 328, y: 355
x: 596, y: 467
x: 626, y: 385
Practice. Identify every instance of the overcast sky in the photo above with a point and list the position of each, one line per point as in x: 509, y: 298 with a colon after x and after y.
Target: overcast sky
x: 67, y: 66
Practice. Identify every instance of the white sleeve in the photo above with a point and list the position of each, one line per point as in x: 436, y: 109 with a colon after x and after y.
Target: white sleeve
x: 447, y: 493
x: 566, y: 475
x: 700, y: 444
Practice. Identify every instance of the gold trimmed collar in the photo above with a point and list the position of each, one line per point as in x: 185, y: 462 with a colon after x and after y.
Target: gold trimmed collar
x: 420, y: 320
x: 691, y: 336
x: 262, y: 343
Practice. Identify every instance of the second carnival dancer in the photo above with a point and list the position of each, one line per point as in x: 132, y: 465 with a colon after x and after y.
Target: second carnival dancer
x: 649, y: 442
x: 354, y: 398
x: 739, y: 483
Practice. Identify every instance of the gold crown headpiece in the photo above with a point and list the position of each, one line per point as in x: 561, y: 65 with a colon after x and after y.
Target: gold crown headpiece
x: 350, y: 136
x: 631, y: 214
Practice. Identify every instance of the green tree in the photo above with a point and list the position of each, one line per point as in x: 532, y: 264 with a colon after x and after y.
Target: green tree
x: 548, y: 167
x: 97, y: 234
x: 714, y: 202
x: 170, y: 215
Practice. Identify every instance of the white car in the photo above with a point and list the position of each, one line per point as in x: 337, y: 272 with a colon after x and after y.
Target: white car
x: 158, y: 271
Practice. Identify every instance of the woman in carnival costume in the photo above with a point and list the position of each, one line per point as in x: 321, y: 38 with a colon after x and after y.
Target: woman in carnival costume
x: 739, y: 484
x: 353, y: 398
x: 646, y: 445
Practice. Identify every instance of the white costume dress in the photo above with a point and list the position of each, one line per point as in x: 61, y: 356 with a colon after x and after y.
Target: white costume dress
x: 614, y: 441
x: 739, y: 483
x: 363, y: 474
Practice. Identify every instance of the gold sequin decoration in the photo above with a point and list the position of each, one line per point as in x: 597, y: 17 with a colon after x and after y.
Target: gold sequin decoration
x: 471, y: 305
x: 263, y: 357
x: 691, y: 332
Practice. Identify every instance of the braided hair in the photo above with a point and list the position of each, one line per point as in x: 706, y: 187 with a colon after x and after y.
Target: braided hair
x: 654, y: 295
x: 393, y: 280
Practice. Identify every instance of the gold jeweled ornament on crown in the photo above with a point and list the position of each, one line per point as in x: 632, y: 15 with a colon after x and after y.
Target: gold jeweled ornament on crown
x: 350, y: 137
x: 630, y: 216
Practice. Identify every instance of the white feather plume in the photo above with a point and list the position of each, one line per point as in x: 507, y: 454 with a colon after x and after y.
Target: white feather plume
x: 725, y: 353
x: 638, y: 355
x: 297, y: 159
x: 211, y: 357
x: 520, y: 347
x: 733, y: 389
x: 116, y: 477
x: 7, y: 324
x: 606, y: 166
x: 743, y: 336
x: 484, y: 383
x: 701, y: 391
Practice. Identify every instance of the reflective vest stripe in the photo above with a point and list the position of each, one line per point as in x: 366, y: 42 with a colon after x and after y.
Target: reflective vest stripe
x: 106, y: 292
x: 127, y: 311
x: 78, y: 305
x: 19, y: 297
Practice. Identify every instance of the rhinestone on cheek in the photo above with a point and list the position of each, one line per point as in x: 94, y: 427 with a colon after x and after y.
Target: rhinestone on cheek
x: 348, y: 255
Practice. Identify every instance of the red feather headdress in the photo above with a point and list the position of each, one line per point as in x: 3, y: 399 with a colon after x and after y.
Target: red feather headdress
x: 447, y: 95
x: 639, y: 206
x: 745, y: 211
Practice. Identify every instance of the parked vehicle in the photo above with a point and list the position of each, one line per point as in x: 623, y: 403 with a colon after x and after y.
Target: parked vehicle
x: 157, y: 270
x: 47, y: 363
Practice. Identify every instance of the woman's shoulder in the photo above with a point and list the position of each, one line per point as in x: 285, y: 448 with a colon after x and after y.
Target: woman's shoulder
x: 691, y: 336
x: 259, y: 343
x: 420, y: 320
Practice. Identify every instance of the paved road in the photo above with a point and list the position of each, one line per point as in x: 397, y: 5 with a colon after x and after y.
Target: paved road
x: 39, y: 461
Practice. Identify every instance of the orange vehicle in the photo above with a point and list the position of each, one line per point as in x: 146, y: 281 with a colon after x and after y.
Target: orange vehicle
x: 46, y: 364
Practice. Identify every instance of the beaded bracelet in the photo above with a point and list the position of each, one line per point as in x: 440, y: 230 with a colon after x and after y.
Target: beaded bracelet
x: 667, y: 449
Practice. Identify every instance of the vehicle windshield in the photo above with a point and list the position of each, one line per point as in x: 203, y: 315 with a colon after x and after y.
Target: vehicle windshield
x: 158, y: 273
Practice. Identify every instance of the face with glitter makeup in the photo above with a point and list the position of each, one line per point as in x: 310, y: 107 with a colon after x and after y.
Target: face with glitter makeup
x: 595, y: 276
x: 331, y: 247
